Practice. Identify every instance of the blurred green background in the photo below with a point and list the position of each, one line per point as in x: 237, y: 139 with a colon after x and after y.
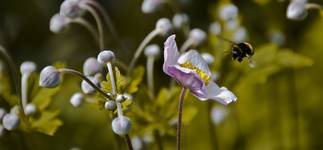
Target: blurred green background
x: 281, y: 111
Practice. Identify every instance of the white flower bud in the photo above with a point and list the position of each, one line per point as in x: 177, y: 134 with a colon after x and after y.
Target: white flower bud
x: 180, y: 20
x: 30, y: 109
x: 209, y: 59
x: 120, y: 98
x: 71, y: 8
x: 91, y: 67
x: 150, y: 6
x: 2, y: 113
x: 218, y: 114
x: 87, y: 88
x: 297, y: 10
x: 49, y: 77
x: 152, y: 50
x: 58, y: 23
x: 1, y: 130
x: 240, y: 35
x: 198, y: 36
x: 77, y: 99
x: 215, y: 28
x: 15, y: 110
x: 10, y: 121
x: 148, y: 138
x: 228, y: 12
x: 105, y: 57
x: 110, y: 105
x: 231, y: 24
x: 137, y: 143
x: 164, y: 26
x: 121, y: 125
x: 27, y: 67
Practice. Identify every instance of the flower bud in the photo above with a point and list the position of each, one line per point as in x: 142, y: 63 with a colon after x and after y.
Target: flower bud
x: 120, y: 98
x: 2, y: 113
x: 198, y: 36
x: 91, y: 67
x: 106, y: 56
x: 297, y: 10
x: 58, y: 23
x: 152, y: 50
x: 218, y: 114
x: 278, y: 38
x: 121, y: 125
x: 30, y: 109
x: 27, y: 67
x: 150, y: 6
x: 228, y: 12
x: 180, y: 20
x: 137, y: 143
x: 232, y: 24
x: 110, y: 105
x: 209, y: 59
x: 164, y: 26
x: 71, y: 8
x: 10, y: 121
x: 215, y: 28
x: 87, y: 88
x: 15, y: 110
x: 240, y: 35
x: 77, y: 99
x: 49, y: 77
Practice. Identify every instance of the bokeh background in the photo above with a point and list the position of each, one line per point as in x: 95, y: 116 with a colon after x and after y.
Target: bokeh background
x: 283, y: 110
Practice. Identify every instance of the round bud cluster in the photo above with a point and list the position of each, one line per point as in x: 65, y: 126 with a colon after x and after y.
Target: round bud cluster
x: 180, y: 20
x: 71, y: 8
x: 58, y: 23
x: 91, y: 67
x: 49, y: 77
x: 10, y: 121
x: 152, y: 50
x: 121, y: 125
x: 105, y: 56
x: 297, y: 10
x: 150, y: 6
x: 209, y: 59
x: 87, y: 88
x: 164, y: 26
x: 198, y: 36
x: 228, y: 12
x: 110, y: 105
x: 27, y: 67
x: 30, y: 109
x: 77, y: 99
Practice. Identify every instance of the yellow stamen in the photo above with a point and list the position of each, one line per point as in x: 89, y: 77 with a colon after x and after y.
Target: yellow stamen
x: 198, y: 71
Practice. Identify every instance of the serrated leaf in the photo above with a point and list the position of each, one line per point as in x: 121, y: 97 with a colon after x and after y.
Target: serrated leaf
x: 136, y: 79
x: 43, y: 97
x: 47, y: 123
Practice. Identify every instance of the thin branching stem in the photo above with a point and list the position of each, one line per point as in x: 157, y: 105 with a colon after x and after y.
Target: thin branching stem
x: 179, y: 121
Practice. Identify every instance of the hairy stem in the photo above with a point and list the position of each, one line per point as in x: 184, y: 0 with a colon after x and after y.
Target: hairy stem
x: 141, y: 47
x: 79, y: 74
x: 179, y: 121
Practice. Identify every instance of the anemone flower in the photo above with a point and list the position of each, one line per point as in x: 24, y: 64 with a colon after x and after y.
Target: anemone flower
x: 192, y: 72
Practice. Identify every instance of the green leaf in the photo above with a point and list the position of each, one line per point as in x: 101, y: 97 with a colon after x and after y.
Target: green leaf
x: 47, y: 123
x: 189, y: 113
x: 136, y: 79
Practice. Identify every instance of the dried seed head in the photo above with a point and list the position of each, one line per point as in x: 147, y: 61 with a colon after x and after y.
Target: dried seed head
x: 121, y: 125
x: 49, y: 77
x: 91, y: 67
x: 27, y: 67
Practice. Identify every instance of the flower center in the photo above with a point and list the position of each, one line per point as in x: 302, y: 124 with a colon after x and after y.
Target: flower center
x: 205, y: 77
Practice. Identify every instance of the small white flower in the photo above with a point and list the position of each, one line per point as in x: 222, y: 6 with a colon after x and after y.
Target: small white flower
x: 110, y: 105
x: 198, y: 36
x: 27, y: 67
x: 91, y: 66
x: 164, y: 26
x: 58, y: 23
x: 10, y: 121
x: 228, y: 12
x: 180, y: 20
x: 150, y: 6
x: 71, y: 8
x: 30, y: 109
x: 106, y: 56
x: 297, y: 10
x: 121, y: 125
x: 152, y: 50
x: 49, y: 77
x: 87, y: 88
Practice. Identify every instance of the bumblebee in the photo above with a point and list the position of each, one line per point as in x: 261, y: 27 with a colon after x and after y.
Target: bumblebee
x: 241, y: 50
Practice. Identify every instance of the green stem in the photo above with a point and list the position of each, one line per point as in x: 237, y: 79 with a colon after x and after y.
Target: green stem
x: 150, y: 77
x: 141, y: 47
x: 88, y: 26
x: 179, y: 121
x: 158, y: 140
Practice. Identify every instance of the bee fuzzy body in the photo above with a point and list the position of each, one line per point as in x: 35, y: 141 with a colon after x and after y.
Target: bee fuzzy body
x: 241, y: 50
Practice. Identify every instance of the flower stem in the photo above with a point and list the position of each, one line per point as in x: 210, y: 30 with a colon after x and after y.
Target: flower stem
x: 98, y: 22
x: 187, y: 44
x: 79, y: 74
x: 158, y: 140
x: 128, y: 141
x: 313, y: 6
x: 24, y: 88
x: 150, y: 76
x: 141, y: 47
x: 88, y: 26
x: 179, y: 121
